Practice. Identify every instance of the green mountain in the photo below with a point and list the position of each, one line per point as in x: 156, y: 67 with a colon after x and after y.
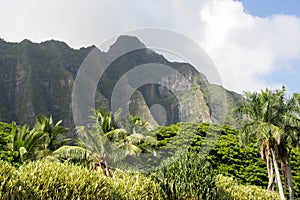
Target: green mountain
x: 38, y: 78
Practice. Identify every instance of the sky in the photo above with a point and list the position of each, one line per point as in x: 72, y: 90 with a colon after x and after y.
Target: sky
x: 253, y: 43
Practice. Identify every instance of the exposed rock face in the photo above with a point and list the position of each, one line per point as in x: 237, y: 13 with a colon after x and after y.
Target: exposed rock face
x: 175, y: 83
x: 38, y: 79
x: 192, y: 106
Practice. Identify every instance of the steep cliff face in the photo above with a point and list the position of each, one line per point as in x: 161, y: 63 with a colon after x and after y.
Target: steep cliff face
x: 14, y: 83
x: 38, y: 79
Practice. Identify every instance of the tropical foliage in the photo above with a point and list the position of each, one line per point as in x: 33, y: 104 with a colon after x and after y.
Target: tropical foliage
x: 102, y: 145
x: 191, y: 161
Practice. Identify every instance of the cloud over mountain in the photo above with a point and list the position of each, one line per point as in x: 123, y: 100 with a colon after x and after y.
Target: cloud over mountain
x: 246, y: 49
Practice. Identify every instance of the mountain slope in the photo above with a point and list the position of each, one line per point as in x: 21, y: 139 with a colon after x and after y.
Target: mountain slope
x: 38, y: 79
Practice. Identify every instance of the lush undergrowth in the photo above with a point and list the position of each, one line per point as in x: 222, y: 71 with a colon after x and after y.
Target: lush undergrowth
x: 191, y: 176
x: 50, y: 180
x: 186, y: 178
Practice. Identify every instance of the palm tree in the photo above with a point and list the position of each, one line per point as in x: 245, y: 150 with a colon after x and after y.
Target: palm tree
x: 54, y: 133
x: 259, y: 111
x: 25, y: 141
x: 287, y: 118
x: 109, y: 144
x: 39, y: 142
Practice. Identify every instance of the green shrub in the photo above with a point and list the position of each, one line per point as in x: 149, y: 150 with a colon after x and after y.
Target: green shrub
x: 6, y: 153
x: 188, y: 177
x: 50, y: 180
x: 231, y: 189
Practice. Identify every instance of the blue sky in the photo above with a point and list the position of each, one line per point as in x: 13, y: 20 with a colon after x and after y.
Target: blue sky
x: 265, y: 8
x: 253, y: 43
x: 289, y: 78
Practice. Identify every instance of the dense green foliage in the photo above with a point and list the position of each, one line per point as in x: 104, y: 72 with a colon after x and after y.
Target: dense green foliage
x: 202, y: 152
x: 19, y: 144
x: 295, y: 168
x: 243, y: 163
x: 6, y: 153
x: 227, y: 156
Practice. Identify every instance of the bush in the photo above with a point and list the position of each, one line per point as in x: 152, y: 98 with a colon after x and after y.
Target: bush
x: 188, y: 177
x: 230, y: 189
x: 6, y: 153
x: 50, y: 180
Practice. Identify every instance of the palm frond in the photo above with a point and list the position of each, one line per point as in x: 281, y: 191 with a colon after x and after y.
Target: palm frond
x: 72, y: 153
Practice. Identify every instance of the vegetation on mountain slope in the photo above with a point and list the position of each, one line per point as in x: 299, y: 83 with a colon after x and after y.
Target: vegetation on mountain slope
x: 40, y: 160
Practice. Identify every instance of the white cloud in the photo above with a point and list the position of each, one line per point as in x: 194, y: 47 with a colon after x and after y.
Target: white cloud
x: 245, y: 48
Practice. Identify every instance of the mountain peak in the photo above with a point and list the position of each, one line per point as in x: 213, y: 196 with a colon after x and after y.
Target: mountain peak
x: 125, y: 43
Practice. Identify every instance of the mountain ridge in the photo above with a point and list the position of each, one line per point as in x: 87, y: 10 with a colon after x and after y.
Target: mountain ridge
x: 37, y: 78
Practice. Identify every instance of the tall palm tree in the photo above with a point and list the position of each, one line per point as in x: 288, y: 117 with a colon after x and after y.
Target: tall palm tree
x: 259, y: 111
x: 287, y: 117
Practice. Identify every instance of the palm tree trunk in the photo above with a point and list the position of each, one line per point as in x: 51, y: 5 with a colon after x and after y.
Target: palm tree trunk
x: 270, y: 174
x: 289, y: 176
x: 282, y: 155
x: 283, y: 166
x: 279, y: 184
x: 265, y: 155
